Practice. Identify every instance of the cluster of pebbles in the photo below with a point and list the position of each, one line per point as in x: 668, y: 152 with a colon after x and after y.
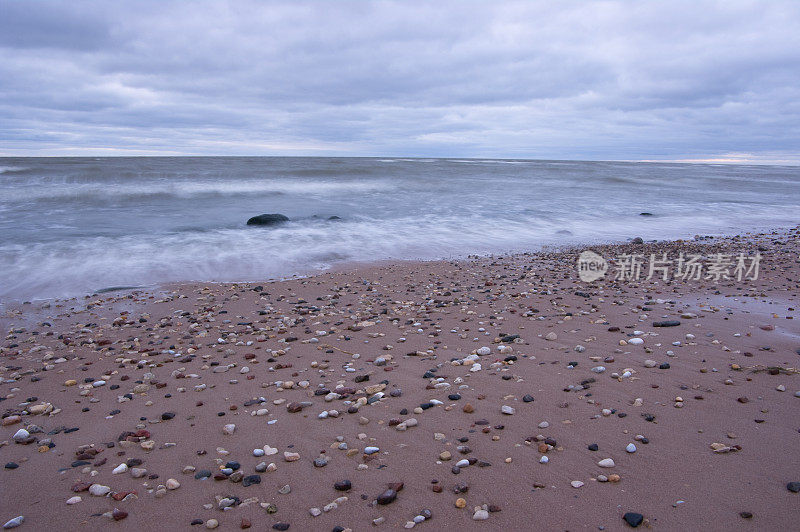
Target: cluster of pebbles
x: 437, y: 395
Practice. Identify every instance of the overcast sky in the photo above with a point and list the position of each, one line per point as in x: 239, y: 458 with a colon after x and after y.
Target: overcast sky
x: 632, y: 80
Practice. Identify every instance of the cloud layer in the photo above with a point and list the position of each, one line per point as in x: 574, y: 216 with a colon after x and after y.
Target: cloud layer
x: 577, y: 80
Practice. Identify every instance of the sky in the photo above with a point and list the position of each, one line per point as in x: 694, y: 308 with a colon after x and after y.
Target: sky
x: 605, y: 80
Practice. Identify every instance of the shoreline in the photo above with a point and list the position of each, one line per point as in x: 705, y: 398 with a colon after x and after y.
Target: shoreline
x: 508, y: 365
x: 11, y: 306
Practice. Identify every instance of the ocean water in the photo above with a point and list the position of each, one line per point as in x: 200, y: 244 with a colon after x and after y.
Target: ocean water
x: 70, y: 226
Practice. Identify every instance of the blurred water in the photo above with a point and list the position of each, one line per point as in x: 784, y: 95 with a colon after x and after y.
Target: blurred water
x: 69, y: 226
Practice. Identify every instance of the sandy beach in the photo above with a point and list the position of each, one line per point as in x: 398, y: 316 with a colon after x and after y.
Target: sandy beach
x: 492, y: 393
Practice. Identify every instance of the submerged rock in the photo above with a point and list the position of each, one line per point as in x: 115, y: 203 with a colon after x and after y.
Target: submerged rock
x: 268, y: 219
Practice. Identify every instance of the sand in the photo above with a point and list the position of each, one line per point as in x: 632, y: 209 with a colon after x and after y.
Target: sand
x: 715, y: 432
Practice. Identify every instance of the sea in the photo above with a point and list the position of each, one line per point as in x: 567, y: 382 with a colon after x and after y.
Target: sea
x: 72, y: 226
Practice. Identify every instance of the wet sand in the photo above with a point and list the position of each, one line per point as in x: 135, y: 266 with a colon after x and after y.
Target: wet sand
x: 391, y: 356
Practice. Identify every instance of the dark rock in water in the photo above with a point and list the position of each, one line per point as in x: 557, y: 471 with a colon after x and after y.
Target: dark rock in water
x: 668, y: 323
x: 637, y: 240
x: 334, y: 218
x: 267, y: 219
x: 794, y: 487
x: 645, y: 214
x: 633, y: 519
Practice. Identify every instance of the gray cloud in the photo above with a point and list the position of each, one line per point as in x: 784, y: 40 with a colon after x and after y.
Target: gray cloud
x: 607, y: 80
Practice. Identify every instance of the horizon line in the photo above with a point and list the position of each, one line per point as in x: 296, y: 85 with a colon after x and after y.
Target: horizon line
x: 730, y: 160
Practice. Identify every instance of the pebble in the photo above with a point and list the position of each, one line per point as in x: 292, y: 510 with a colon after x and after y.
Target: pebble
x: 251, y: 480
x: 98, y: 490
x: 606, y: 462
x: 480, y: 515
x: 11, y: 420
x: 14, y: 523
x: 633, y: 519
x: 507, y: 410
x: 576, y: 484
x: 387, y: 497
x: 631, y: 448
x: 21, y: 435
